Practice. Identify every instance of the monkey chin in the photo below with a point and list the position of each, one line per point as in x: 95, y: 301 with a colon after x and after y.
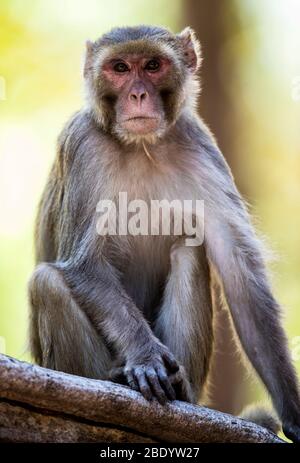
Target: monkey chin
x: 140, y: 129
x: 141, y: 125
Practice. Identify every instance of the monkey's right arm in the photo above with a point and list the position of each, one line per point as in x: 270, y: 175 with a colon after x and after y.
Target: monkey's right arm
x: 146, y: 360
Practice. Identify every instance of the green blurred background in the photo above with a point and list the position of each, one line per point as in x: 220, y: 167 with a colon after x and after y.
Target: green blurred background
x: 251, y: 100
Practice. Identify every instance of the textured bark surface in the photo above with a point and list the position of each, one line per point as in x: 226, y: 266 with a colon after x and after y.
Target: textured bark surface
x: 41, y: 405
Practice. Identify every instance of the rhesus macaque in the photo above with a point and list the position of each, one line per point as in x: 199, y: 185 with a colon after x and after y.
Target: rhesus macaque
x: 140, y: 307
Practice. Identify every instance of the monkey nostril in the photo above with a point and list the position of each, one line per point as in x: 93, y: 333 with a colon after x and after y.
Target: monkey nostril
x: 138, y: 96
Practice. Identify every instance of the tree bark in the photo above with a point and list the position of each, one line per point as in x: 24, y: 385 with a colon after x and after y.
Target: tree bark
x: 41, y: 405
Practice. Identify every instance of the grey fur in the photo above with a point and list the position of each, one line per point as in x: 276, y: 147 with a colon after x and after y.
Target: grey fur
x: 263, y: 416
x: 123, y: 301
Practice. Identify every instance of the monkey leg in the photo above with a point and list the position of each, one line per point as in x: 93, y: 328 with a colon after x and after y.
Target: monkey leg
x: 184, y: 323
x: 62, y: 336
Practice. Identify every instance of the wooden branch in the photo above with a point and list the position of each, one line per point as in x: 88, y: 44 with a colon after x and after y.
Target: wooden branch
x: 41, y: 405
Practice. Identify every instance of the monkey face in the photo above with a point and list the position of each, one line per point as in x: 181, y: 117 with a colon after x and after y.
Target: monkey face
x: 138, y: 82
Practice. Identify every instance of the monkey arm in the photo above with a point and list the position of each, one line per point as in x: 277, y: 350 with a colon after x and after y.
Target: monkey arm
x: 97, y: 290
x: 237, y: 256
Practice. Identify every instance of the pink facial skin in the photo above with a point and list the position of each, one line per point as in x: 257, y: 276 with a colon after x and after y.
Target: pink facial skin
x: 135, y: 80
x: 136, y: 70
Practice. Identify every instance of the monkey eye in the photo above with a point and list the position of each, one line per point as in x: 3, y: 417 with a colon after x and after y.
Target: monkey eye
x: 121, y: 67
x: 153, y: 65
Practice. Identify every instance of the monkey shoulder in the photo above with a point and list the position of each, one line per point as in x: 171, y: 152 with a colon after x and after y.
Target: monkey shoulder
x: 78, y: 140
x: 210, y: 171
x: 198, y: 138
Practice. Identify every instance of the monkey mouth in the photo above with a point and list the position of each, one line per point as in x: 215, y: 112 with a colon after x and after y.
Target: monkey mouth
x: 141, y: 125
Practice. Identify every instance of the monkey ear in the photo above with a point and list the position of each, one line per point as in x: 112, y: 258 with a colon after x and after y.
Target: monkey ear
x: 191, y: 48
x: 89, y: 55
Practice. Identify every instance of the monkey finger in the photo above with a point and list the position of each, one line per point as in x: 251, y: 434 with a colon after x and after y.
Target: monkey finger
x: 165, y: 382
x: 170, y: 362
x: 144, y: 388
x: 155, y: 386
x: 131, y: 381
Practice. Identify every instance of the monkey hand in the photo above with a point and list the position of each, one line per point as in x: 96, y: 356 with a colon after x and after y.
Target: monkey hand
x: 291, y: 430
x: 149, y: 372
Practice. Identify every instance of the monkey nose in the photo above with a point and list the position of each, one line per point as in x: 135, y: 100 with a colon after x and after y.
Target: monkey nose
x: 138, y: 96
